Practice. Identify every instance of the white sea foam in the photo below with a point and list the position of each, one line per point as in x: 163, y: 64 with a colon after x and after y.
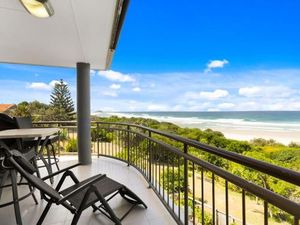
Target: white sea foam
x: 218, y: 123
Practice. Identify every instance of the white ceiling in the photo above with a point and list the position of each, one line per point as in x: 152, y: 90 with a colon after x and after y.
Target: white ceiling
x: 79, y: 31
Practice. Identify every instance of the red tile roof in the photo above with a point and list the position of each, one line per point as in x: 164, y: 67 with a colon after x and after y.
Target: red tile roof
x: 5, y: 107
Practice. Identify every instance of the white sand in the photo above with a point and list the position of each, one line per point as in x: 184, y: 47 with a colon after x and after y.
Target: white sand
x: 284, y: 137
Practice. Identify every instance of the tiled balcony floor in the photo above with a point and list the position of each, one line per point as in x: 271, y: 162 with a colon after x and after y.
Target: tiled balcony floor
x: 156, y: 214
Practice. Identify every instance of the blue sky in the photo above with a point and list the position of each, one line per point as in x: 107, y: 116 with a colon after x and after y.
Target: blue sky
x: 193, y: 56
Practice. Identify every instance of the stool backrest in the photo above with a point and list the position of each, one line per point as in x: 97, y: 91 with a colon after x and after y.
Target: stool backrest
x: 6, y: 123
x: 23, y: 122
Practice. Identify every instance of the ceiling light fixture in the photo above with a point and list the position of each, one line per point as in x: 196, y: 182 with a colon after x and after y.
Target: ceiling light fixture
x: 38, y: 8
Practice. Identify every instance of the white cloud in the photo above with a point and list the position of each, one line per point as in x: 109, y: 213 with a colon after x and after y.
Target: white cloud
x: 39, y: 86
x: 110, y: 93
x: 92, y: 72
x: 266, y: 91
x: 157, y: 107
x: 213, y: 110
x: 115, y: 86
x: 42, y: 85
x: 226, y: 105
x: 249, y: 91
x: 116, y: 76
x: 216, y: 64
x: 214, y: 95
x: 197, y: 106
x: 136, y: 89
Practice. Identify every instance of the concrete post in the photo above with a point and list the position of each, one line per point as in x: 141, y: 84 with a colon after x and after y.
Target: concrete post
x: 83, y: 113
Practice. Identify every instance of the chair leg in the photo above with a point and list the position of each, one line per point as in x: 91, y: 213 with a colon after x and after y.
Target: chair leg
x: 76, y: 218
x: 32, y: 194
x: 48, y: 167
x: 54, y: 155
x: 48, y: 154
x: 46, y: 210
x: 15, y: 197
x: 3, y: 181
x: 108, y: 209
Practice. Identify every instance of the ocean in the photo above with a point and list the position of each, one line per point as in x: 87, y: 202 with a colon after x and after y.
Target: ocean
x: 279, y: 125
x: 259, y: 119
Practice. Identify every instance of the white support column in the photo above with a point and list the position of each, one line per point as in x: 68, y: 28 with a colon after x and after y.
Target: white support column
x: 83, y: 113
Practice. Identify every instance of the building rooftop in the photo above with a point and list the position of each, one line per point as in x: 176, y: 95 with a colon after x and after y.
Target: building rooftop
x: 6, y: 107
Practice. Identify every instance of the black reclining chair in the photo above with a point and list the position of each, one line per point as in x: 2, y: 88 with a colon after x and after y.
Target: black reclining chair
x: 77, y: 197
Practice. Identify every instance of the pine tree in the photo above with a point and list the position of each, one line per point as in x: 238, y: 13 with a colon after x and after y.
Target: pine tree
x: 61, y: 98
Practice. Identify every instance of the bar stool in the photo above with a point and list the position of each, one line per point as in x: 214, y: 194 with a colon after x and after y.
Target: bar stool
x: 8, y: 173
x: 26, y: 122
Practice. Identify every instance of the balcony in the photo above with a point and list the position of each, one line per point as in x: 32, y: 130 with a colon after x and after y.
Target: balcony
x: 183, y: 186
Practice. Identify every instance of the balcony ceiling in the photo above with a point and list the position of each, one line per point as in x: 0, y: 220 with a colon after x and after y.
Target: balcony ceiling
x: 79, y: 31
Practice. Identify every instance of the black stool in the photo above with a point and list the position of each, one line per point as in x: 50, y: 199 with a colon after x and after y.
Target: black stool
x: 26, y: 122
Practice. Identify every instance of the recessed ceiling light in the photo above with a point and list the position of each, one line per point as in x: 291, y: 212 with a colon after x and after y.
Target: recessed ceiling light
x: 38, y: 8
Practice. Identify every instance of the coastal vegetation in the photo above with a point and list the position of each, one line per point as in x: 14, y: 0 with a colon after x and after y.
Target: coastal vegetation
x: 61, y: 106
x: 270, y: 151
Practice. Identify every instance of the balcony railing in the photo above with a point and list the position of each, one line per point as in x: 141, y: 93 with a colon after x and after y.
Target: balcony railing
x: 193, y: 190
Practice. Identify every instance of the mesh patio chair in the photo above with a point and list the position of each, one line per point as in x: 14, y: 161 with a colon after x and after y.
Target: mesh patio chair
x: 79, y: 196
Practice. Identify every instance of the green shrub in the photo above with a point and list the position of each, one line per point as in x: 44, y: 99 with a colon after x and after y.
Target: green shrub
x: 239, y: 146
x: 101, y: 135
x: 63, y: 135
x: 72, y: 145
x: 294, y: 145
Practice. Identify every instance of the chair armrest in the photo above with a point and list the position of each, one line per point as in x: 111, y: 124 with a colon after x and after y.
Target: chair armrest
x: 85, y: 185
x: 66, y: 174
x: 61, y: 171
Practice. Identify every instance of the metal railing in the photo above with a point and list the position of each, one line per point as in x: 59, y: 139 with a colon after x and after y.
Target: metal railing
x: 188, y: 186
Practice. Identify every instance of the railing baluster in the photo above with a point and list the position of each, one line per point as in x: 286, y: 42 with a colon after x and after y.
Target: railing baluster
x: 193, y: 171
x: 156, y: 167
x: 163, y: 172
x: 179, y: 187
x: 128, y: 145
x: 168, y: 182
x: 150, y: 162
x: 202, y: 196
x: 266, y: 213
x: 226, y: 202
x: 186, y: 187
x: 173, y: 185
x: 296, y: 221
x: 213, y: 198
x: 97, y: 134
x: 243, y: 207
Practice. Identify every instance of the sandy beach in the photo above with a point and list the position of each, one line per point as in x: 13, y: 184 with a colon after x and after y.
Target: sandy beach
x: 284, y: 137
x: 283, y: 127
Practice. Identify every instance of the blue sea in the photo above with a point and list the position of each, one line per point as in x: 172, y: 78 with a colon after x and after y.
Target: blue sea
x: 279, y: 125
x: 272, y: 119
